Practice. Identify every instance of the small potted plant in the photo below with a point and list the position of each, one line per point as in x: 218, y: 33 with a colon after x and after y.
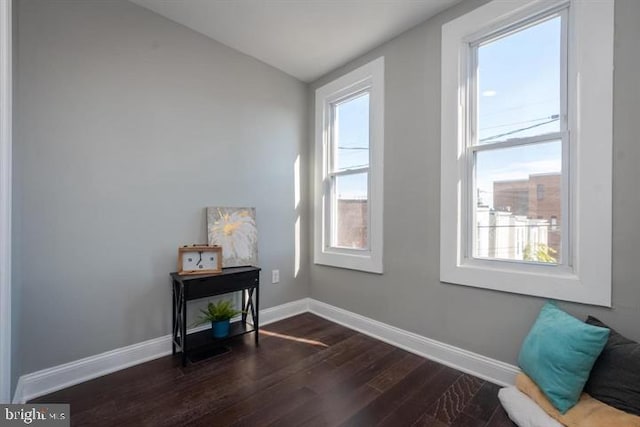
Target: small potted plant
x: 219, y: 315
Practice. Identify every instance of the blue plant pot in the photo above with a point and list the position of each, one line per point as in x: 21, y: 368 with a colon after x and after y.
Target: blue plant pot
x: 220, y: 329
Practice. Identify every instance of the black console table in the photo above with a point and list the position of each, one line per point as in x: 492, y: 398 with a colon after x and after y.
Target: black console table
x: 193, y: 287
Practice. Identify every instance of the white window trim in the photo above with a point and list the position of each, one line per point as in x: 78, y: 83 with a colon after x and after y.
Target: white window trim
x: 370, y: 76
x: 5, y: 198
x: 590, y: 101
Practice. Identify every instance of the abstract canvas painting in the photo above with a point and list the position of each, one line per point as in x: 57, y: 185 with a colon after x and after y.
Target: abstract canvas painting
x: 235, y: 230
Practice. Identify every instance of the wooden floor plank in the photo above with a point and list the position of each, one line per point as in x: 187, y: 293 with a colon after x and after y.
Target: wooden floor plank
x: 428, y: 421
x: 346, y: 397
x: 390, y: 377
x: 500, y: 419
x: 395, y: 395
x: 322, y: 372
x: 421, y: 399
x: 463, y: 420
x: 484, y: 403
x: 453, y: 401
x: 308, y: 371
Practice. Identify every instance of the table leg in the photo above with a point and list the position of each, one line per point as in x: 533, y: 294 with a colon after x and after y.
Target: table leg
x: 184, y: 327
x: 173, y: 318
x: 257, y: 320
x: 244, y: 307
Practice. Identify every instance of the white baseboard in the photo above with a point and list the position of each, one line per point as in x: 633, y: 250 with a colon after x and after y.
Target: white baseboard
x: 463, y: 360
x: 48, y: 380
x: 283, y: 311
x: 58, y: 377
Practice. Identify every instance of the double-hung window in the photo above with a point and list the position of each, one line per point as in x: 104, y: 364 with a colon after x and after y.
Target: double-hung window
x: 518, y: 141
x: 349, y: 148
x: 526, y: 149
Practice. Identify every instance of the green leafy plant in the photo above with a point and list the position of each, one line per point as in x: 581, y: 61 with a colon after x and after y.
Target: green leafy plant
x: 222, y: 310
x: 539, y: 253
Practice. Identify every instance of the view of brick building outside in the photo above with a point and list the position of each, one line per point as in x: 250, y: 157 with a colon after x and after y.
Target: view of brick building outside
x: 539, y: 199
x: 352, y: 224
x: 533, y: 204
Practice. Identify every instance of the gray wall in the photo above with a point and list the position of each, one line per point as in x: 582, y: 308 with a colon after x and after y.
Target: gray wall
x: 128, y: 125
x: 409, y: 295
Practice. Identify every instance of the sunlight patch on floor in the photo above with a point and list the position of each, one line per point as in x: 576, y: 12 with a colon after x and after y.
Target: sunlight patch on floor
x: 292, y: 338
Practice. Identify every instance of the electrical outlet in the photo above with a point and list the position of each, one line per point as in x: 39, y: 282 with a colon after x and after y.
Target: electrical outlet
x: 275, y: 276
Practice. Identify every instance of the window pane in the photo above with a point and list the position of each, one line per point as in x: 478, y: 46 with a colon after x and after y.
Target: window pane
x: 518, y: 212
x: 351, y: 218
x: 351, y: 144
x: 519, y: 83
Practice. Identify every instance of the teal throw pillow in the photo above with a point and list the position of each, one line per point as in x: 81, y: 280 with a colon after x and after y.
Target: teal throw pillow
x: 558, y: 354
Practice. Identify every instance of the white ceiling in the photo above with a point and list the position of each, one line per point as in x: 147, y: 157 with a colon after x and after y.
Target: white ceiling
x: 304, y: 38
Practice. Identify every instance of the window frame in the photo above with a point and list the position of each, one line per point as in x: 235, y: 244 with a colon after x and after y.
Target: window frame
x: 471, y: 142
x: 333, y: 172
x: 369, y: 78
x: 585, y: 273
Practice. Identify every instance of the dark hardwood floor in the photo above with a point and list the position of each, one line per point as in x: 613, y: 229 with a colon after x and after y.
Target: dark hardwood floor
x: 307, y: 371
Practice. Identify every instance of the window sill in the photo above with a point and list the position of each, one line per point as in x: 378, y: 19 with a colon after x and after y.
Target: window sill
x: 554, y: 282
x: 367, y: 261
